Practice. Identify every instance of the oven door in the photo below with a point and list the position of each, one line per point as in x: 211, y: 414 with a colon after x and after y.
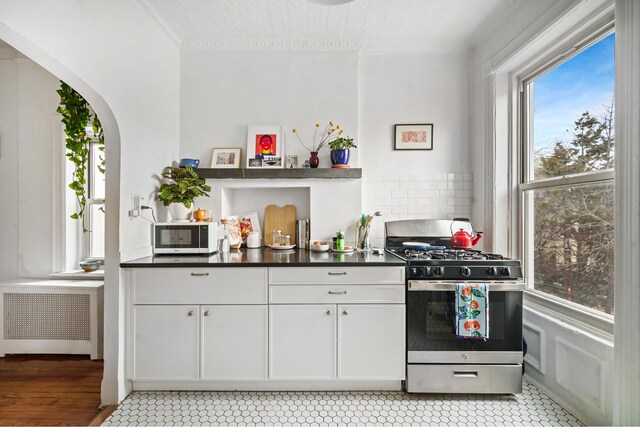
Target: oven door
x: 176, y: 239
x: 431, y: 332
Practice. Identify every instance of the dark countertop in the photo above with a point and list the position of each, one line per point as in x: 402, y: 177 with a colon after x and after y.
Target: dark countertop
x: 266, y: 257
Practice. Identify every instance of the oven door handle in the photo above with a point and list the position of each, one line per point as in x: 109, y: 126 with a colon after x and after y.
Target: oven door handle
x: 427, y: 285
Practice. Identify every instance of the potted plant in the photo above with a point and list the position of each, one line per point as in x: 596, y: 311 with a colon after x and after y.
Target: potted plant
x: 340, y: 152
x: 183, y: 186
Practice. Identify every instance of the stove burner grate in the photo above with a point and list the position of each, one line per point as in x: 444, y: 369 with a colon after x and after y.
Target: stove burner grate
x: 447, y: 254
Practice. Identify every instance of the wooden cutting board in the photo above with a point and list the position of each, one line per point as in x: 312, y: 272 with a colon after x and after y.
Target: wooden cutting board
x: 279, y: 218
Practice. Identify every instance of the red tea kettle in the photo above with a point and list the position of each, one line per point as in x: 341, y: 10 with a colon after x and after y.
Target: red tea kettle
x: 462, y: 239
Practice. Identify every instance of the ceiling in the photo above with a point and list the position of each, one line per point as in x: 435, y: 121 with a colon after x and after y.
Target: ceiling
x: 369, y: 25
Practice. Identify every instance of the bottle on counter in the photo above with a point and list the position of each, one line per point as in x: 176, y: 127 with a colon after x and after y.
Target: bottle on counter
x: 340, y: 241
x: 225, y: 243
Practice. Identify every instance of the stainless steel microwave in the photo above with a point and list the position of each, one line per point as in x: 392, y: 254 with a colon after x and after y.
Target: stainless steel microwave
x: 185, y: 238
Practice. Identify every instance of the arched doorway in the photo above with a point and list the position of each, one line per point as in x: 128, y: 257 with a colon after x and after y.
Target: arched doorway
x: 113, y: 379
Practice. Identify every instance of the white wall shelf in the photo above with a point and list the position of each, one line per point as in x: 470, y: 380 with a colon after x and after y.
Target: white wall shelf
x: 320, y: 173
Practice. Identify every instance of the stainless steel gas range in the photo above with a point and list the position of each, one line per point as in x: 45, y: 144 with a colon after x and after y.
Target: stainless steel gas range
x: 437, y: 360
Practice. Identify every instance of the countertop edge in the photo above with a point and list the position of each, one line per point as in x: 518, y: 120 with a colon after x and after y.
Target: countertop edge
x: 133, y: 264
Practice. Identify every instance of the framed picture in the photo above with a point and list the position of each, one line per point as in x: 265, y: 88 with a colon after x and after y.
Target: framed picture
x: 265, y: 143
x: 413, y: 137
x: 226, y: 158
x: 291, y: 161
x: 254, y: 163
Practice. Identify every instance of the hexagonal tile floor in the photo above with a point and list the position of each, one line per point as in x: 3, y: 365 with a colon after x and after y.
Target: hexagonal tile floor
x: 532, y: 407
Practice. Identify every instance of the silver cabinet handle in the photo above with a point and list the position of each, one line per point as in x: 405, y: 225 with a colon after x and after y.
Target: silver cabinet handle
x: 345, y: 312
x: 337, y: 292
x: 190, y: 313
x: 342, y: 273
x: 328, y: 312
x: 199, y: 274
x: 206, y: 313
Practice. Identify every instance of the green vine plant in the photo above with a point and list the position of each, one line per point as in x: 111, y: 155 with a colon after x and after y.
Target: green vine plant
x: 76, y: 115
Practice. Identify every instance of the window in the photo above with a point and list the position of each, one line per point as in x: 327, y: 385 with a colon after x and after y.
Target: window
x: 94, y: 239
x: 567, y: 175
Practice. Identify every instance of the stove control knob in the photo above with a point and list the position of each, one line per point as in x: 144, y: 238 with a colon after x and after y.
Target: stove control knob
x: 438, y: 271
x: 413, y: 272
x: 492, y: 271
x: 465, y: 271
x: 505, y: 271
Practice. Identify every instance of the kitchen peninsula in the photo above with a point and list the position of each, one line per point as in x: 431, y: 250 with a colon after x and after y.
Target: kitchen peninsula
x: 258, y: 319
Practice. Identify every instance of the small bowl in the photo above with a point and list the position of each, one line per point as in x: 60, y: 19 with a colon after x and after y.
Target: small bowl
x: 91, y: 265
x: 319, y: 248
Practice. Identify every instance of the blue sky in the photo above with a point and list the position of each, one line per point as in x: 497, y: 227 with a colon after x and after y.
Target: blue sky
x: 583, y: 83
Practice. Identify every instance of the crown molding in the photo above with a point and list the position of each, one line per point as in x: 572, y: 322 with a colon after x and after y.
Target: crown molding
x: 270, y: 44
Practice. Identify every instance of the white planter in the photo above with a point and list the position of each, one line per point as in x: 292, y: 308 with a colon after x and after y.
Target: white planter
x: 179, y: 212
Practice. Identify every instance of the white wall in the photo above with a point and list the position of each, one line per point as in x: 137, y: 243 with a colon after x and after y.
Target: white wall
x: 415, y: 88
x: 8, y: 165
x: 223, y: 92
x: 27, y: 131
x: 37, y: 102
x: 120, y: 59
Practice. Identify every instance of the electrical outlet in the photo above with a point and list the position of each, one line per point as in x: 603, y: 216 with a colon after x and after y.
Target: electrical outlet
x: 136, y: 201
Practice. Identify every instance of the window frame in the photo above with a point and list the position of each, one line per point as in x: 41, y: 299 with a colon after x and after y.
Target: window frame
x: 90, y: 201
x: 582, y: 41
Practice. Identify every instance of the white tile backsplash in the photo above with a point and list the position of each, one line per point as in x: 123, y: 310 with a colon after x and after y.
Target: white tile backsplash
x: 416, y: 196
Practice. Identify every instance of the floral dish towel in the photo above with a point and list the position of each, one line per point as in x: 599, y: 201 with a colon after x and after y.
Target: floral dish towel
x: 472, y: 304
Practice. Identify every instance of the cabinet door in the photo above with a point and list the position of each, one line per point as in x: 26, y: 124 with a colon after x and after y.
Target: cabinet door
x: 371, y: 341
x: 234, y: 342
x: 165, y: 342
x: 302, y: 341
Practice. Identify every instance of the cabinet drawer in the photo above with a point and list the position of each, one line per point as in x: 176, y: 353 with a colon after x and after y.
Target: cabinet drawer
x: 336, y: 294
x: 337, y: 275
x: 200, y: 286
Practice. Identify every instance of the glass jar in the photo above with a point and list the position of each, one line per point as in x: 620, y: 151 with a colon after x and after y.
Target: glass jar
x: 276, y: 238
x: 286, y: 240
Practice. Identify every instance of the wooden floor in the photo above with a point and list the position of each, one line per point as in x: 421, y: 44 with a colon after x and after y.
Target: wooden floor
x: 49, y: 390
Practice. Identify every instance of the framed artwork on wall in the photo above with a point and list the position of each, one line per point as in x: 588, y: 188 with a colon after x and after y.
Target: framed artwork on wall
x: 265, y: 147
x: 413, y: 137
x: 226, y: 158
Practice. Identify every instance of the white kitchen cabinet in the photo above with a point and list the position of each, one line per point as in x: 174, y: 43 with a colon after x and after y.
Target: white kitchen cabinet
x: 165, y: 340
x: 200, y: 342
x: 234, y: 342
x: 302, y: 341
x: 363, y: 341
x: 371, y: 341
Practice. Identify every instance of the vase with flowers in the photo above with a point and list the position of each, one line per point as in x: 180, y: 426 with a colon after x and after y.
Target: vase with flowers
x: 330, y: 133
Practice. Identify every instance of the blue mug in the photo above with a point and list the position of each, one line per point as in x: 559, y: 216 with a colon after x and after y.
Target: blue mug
x: 193, y: 163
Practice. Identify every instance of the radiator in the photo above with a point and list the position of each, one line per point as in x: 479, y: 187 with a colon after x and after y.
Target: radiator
x: 41, y: 318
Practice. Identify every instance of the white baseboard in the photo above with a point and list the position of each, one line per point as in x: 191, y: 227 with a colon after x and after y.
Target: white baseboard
x: 272, y: 385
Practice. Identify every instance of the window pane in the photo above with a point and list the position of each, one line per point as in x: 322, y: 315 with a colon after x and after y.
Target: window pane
x: 96, y: 237
x: 573, y: 119
x: 97, y: 177
x: 573, y: 243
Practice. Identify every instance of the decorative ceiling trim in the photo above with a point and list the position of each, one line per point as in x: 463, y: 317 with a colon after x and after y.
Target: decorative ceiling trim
x: 271, y: 44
